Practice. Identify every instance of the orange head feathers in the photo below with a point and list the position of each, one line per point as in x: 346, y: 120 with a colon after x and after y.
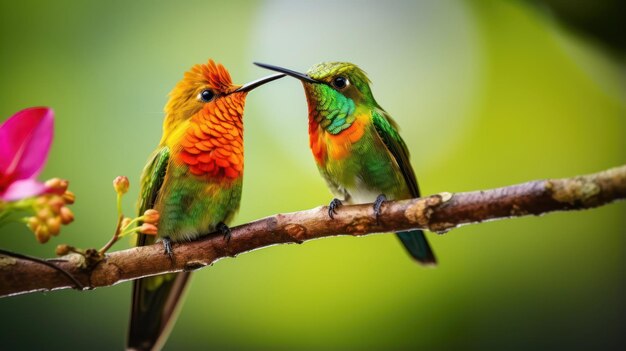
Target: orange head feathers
x: 185, y: 99
x: 203, y: 125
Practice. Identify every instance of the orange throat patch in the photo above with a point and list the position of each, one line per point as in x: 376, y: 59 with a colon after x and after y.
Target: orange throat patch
x: 327, y: 146
x: 212, y: 145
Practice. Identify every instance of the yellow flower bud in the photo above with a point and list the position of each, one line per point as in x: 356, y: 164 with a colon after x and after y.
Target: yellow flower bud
x: 151, y: 216
x: 41, y: 201
x: 69, y: 197
x: 54, y: 225
x: 121, y: 184
x: 42, y: 234
x: 66, y: 215
x: 62, y: 249
x: 56, y: 202
x: 32, y: 223
x: 57, y: 185
x: 125, y: 223
x: 148, y: 229
x: 44, y: 214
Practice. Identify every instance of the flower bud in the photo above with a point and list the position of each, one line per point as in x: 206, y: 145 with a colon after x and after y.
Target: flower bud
x: 32, y: 223
x: 121, y: 184
x: 42, y: 234
x: 54, y: 225
x: 62, y: 249
x: 69, y: 197
x: 44, y: 214
x: 57, y: 185
x: 125, y: 223
x: 41, y: 201
x: 66, y: 215
x: 56, y: 202
x: 148, y: 229
x: 151, y: 216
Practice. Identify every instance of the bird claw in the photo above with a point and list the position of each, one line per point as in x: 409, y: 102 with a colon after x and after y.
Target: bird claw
x: 167, y: 246
x: 225, y: 230
x: 333, y: 206
x: 377, y: 205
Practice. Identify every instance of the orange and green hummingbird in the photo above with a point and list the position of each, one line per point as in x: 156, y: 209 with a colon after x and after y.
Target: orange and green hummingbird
x: 194, y: 180
x: 356, y: 144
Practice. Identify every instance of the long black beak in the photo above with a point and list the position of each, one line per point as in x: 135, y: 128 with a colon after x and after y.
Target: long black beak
x: 303, y: 77
x: 257, y: 83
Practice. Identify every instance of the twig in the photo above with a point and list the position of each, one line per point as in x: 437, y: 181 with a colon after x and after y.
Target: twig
x: 438, y: 213
x: 115, y: 236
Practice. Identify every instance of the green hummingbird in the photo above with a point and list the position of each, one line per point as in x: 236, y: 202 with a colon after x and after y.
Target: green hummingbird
x: 356, y: 144
x: 194, y: 180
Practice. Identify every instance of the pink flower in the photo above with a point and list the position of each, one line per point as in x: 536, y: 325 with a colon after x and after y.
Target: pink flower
x: 25, y: 140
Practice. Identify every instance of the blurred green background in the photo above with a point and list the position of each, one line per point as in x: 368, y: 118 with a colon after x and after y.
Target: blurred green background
x: 488, y: 93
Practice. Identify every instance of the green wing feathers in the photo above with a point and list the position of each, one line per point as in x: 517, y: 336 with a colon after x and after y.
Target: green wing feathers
x: 151, y: 181
x: 414, y: 241
x: 155, y: 299
x: 388, y: 133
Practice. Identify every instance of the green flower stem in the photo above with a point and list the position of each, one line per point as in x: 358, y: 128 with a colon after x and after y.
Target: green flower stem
x: 128, y: 231
x: 116, y: 235
x: 119, y: 204
x: 8, y: 208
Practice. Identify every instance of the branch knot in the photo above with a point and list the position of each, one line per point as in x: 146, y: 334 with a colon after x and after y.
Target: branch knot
x: 296, y: 231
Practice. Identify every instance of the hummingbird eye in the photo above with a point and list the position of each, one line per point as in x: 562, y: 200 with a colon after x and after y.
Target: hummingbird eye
x: 340, y: 82
x: 206, y: 95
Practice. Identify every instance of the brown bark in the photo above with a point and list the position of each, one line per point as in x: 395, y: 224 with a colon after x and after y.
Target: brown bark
x: 438, y: 213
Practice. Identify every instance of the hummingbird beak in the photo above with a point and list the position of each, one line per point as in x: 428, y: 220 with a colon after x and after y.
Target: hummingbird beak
x: 303, y: 77
x: 257, y: 83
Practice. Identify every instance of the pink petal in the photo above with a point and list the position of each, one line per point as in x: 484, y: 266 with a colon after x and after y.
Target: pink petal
x: 22, y: 189
x: 25, y: 140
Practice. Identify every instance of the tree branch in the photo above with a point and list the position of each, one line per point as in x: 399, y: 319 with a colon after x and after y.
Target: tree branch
x: 438, y: 213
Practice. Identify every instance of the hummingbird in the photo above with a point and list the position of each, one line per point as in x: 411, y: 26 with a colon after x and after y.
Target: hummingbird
x: 194, y: 180
x: 356, y: 144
